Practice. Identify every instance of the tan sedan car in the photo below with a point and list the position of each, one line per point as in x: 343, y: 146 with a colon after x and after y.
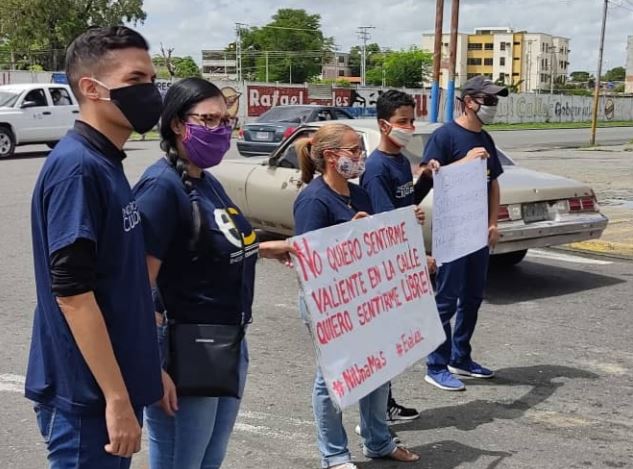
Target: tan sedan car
x: 537, y: 209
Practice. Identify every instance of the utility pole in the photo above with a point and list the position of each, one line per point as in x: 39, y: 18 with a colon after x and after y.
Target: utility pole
x: 437, y: 60
x: 364, y: 35
x: 450, y: 95
x: 596, y: 91
x: 238, y: 50
x: 266, y: 66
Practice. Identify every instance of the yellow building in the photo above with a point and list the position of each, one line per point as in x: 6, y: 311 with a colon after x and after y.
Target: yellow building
x: 532, y: 61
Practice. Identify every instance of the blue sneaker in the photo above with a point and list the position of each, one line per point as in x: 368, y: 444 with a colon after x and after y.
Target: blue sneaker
x: 472, y: 369
x: 443, y: 379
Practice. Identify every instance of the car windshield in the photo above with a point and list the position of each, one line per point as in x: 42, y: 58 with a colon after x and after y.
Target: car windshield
x: 285, y: 114
x: 8, y: 97
x: 505, y: 159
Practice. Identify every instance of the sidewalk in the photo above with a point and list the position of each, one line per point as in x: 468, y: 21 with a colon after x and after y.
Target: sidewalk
x: 609, y: 172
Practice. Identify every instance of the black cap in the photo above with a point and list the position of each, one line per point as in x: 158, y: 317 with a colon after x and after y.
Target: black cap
x: 482, y: 85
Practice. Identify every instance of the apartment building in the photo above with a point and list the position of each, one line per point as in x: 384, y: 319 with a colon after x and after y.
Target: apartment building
x: 628, y: 84
x: 218, y: 64
x: 533, y: 61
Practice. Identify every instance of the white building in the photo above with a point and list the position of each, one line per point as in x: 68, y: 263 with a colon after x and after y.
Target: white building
x: 532, y: 61
x: 628, y: 84
x: 219, y: 65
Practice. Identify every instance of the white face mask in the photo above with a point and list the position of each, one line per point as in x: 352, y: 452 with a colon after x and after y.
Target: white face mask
x: 486, y: 114
x: 399, y: 135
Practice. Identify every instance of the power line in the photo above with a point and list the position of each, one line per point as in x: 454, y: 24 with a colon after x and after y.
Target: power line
x: 364, y: 35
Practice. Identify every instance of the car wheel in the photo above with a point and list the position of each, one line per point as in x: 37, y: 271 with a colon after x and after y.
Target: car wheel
x: 508, y: 259
x: 51, y: 145
x: 7, y: 142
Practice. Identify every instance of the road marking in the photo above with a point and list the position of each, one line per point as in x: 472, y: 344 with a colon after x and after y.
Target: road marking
x: 557, y: 256
x: 11, y: 383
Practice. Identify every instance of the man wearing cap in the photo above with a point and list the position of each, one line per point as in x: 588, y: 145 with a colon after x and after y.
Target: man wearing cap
x: 461, y: 283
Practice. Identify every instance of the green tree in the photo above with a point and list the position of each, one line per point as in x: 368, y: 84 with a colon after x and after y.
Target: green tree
x: 42, y: 29
x: 615, y: 74
x: 580, y: 76
x: 292, y: 47
x: 186, y: 67
x: 409, y: 68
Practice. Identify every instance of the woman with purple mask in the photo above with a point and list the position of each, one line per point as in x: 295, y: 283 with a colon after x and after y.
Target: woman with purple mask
x: 201, y: 254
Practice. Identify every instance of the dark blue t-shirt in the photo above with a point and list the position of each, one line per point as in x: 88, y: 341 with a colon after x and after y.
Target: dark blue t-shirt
x: 318, y: 206
x: 215, y: 284
x: 452, y: 142
x: 83, y: 193
x: 388, y: 181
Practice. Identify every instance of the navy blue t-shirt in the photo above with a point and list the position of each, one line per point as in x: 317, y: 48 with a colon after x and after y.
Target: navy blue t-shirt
x: 388, y: 181
x: 82, y: 192
x: 318, y: 206
x: 214, y: 285
x: 452, y: 142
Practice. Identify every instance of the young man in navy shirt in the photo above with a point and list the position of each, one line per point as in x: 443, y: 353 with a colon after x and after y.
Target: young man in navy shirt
x: 94, y: 362
x: 461, y: 283
x: 389, y: 181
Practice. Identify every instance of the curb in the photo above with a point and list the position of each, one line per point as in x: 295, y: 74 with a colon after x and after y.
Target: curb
x: 601, y: 248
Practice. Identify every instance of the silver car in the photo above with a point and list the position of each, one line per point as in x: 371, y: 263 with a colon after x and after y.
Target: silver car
x: 537, y: 209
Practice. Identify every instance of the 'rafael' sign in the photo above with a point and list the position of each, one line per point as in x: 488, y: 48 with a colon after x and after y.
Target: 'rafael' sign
x: 262, y: 98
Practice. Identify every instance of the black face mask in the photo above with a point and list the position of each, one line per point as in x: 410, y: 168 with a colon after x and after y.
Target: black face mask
x: 141, y: 104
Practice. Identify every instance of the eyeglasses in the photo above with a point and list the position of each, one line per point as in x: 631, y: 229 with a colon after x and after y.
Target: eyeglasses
x: 355, y: 150
x: 210, y: 121
x: 487, y: 100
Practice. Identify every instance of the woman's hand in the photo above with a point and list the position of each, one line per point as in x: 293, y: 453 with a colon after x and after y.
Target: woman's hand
x: 419, y: 214
x: 169, y: 402
x: 279, y: 250
x: 360, y: 215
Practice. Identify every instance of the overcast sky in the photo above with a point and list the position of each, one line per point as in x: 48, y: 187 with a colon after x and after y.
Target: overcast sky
x: 191, y: 25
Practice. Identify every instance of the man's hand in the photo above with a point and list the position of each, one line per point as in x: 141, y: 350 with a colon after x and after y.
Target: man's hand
x: 419, y: 214
x: 476, y: 153
x: 430, y: 168
x: 431, y: 264
x: 124, y: 430
x: 360, y: 215
x: 493, y: 235
x: 169, y: 402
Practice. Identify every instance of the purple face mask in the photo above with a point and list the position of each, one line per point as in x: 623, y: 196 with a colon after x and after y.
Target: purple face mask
x: 206, y: 147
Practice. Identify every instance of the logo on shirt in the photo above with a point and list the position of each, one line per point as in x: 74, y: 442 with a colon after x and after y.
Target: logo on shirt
x: 131, y: 217
x: 225, y: 224
x: 404, y: 191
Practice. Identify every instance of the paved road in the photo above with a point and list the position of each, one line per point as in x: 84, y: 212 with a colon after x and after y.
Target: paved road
x: 534, y: 139
x: 557, y: 329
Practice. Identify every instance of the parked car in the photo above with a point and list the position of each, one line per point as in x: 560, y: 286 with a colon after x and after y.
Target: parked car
x: 35, y: 113
x: 264, y: 135
x: 537, y: 209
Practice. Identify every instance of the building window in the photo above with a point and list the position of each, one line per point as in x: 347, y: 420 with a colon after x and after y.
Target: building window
x: 515, y: 74
x: 473, y: 61
x: 341, y: 73
x: 489, y: 46
x: 475, y: 46
x: 502, y: 60
x: 502, y: 77
x: 517, y: 58
x: 341, y: 59
x: 471, y: 75
x: 517, y: 43
x: 488, y: 75
x: 502, y: 46
x: 487, y: 61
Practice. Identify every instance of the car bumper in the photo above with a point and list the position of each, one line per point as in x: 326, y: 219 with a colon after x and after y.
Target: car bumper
x: 517, y: 236
x: 247, y: 148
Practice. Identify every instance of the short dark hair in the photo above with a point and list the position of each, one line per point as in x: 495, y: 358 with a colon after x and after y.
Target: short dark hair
x: 87, y: 51
x: 180, y: 98
x: 390, y: 101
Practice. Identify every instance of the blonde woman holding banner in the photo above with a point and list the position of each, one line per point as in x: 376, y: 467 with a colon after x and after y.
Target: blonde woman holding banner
x: 335, y: 151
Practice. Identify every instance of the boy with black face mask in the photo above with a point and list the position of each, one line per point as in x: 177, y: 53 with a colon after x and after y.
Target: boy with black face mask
x: 94, y: 361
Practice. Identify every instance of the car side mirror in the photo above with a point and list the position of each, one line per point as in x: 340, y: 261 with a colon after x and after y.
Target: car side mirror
x: 28, y: 104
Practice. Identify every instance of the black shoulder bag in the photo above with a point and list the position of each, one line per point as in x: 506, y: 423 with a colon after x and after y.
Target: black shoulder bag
x: 204, y: 359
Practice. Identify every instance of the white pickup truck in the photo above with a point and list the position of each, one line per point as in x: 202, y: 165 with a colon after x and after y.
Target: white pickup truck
x: 35, y: 113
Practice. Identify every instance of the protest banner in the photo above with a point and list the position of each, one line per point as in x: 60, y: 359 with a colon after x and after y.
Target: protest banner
x: 371, y: 307
x: 460, y: 210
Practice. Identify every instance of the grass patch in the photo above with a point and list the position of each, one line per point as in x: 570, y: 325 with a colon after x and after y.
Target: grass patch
x: 149, y: 136
x: 558, y: 125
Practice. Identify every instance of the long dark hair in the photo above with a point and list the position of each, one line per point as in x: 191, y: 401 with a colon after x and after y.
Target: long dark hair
x: 181, y: 97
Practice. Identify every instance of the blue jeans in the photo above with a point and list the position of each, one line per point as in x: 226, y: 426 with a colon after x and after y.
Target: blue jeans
x: 75, y: 441
x: 460, y: 289
x: 331, y: 436
x: 198, y: 436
